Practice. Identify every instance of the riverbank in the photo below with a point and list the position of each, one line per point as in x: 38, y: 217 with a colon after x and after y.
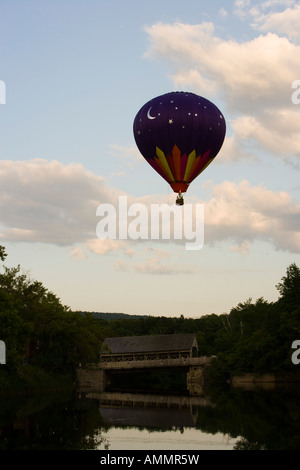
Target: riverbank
x: 29, y: 379
x: 265, y: 381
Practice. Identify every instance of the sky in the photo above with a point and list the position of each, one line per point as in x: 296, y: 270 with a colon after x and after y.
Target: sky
x: 73, y: 76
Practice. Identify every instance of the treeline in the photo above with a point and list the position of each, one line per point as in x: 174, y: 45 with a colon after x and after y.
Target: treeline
x: 255, y: 336
x: 45, y: 338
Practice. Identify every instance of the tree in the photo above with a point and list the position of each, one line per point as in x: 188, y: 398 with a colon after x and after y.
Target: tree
x: 289, y: 288
x: 2, y: 253
x: 37, y: 328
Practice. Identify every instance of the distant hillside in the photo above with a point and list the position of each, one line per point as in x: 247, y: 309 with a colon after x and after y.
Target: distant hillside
x: 114, y: 316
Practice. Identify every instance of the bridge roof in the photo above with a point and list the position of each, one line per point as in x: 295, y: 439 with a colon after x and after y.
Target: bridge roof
x: 151, y: 343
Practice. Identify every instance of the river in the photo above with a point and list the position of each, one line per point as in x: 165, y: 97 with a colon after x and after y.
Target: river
x: 225, y: 420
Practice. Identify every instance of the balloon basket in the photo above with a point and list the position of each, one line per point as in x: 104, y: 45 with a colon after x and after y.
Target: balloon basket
x: 179, y: 201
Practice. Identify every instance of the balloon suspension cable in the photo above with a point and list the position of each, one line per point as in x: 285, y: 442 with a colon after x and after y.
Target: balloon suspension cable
x: 179, y: 199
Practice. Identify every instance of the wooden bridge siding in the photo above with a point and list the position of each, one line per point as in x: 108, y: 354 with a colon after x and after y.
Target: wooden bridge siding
x: 144, y: 356
x: 118, y: 400
x: 154, y: 363
x: 98, y: 376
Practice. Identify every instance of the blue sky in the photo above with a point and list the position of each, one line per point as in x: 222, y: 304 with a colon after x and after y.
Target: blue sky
x: 76, y: 74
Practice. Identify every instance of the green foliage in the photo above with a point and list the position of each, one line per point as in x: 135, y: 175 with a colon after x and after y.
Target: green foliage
x: 37, y: 329
x: 255, y: 336
x: 2, y: 253
x: 289, y: 288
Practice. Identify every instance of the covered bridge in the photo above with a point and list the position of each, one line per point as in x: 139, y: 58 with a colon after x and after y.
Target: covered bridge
x: 140, y: 348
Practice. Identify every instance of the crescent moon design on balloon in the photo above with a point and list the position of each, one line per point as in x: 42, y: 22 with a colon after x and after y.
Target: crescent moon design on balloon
x: 149, y: 115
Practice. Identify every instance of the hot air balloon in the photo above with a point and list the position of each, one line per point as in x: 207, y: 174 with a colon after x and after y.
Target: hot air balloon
x: 179, y: 134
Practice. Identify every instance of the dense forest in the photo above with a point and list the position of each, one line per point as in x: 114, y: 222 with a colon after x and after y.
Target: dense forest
x: 45, y: 341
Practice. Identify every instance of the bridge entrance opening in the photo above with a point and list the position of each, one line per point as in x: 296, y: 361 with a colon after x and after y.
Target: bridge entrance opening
x: 172, y: 381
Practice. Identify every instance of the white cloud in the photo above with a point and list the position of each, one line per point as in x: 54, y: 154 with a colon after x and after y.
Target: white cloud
x: 78, y: 253
x: 233, y: 149
x: 243, y: 248
x: 244, y: 213
x: 154, y: 264
x: 246, y: 74
x: 130, y: 156
x: 102, y: 247
x: 253, y: 78
x: 277, y: 16
x: 240, y: 6
x: 49, y: 202
x: 244, y: 8
x: 223, y: 12
x: 284, y: 22
x: 278, y: 132
x: 154, y: 261
x: 121, y: 265
x: 52, y: 203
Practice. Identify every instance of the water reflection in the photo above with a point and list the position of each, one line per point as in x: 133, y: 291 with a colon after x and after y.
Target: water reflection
x: 146, y: 410
x: 246, y: 419
x: 117, y: 438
